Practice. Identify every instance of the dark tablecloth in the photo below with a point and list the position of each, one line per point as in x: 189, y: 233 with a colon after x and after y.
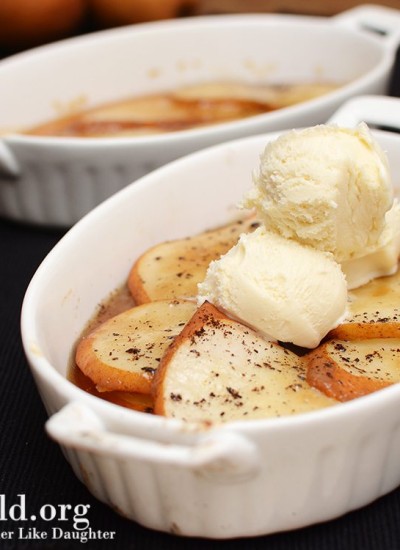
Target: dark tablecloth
x: 33, y: 466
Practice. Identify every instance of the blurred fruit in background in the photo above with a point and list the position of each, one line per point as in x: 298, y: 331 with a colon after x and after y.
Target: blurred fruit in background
x: 123, y: 12
x: 28, y: 23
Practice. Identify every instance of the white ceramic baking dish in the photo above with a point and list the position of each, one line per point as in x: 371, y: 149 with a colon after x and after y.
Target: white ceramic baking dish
x: 242, y: 479
x: 55, y: 181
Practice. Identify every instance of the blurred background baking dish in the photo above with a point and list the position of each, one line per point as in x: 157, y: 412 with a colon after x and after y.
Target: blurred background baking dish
x: 55, y: 181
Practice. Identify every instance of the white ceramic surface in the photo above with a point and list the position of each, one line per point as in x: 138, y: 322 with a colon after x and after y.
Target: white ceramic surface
x: 244, y: 478
x: 55, y: 181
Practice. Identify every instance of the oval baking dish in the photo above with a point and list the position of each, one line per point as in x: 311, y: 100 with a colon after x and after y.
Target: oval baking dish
x: 244, y: 478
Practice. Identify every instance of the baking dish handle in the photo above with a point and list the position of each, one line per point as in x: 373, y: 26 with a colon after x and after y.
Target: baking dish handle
x: 380, y: 20
x: 380, y: 112
x: 223, y: 455
x: 8, y: 163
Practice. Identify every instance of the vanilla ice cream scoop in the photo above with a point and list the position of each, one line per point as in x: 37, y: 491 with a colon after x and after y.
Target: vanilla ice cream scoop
x: 285, y: 290
x: 327, y: 187
x: 383, y: 261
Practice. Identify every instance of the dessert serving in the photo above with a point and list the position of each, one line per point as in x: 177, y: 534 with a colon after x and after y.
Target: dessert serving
x: 187, y: 107
x: 291, y: 309
x: 238, y: 478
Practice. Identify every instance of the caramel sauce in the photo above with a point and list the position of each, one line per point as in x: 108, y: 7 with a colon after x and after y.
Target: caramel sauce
x: 119, y: 301
x: 136, y: 401
x: 381, y: 290
x: 191, y: 107
x: 196, y: 113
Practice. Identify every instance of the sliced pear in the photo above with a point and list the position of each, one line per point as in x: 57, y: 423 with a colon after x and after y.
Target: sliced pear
x: 173, y: 269
x: 374, y: 311
x: 218, y: 370
x: 124, y: 352
x: 345, y: 370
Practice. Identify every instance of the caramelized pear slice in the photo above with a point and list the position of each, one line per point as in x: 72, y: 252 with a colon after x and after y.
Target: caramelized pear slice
x: 174, y: 268
x: 374, y: 311
x: 124, y: 352
x: 219, y: 370
x: 345, y: 370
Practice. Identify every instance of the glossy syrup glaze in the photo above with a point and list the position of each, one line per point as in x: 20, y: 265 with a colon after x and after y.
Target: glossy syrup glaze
x: 185, y: 108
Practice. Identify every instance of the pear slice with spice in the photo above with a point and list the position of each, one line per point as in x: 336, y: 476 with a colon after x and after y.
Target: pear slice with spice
x: 374, y: 311
x: 174, y: 268
x: 124, y: 352
x: 345, y: 370
x: 218, y: 370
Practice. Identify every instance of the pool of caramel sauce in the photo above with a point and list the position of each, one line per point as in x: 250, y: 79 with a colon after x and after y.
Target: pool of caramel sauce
x: 169, y: 112
x: 119, y: 301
